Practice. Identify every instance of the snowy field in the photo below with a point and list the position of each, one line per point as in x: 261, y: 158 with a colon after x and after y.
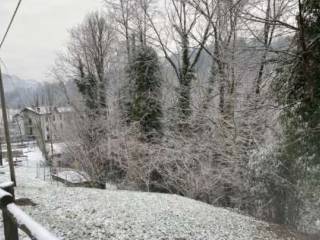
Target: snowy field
x: 83, y: 213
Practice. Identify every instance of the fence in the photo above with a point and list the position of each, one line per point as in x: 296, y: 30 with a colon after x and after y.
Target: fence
x: 14, y: 218
x: 43, y: 171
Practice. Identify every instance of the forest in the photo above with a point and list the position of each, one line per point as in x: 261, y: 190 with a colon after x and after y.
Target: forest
x: 215, y: 100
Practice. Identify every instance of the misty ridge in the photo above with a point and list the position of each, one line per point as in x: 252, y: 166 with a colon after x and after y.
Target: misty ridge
x: 22, y: 93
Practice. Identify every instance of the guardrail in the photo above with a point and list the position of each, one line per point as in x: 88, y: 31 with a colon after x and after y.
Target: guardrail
x: 14, y: 218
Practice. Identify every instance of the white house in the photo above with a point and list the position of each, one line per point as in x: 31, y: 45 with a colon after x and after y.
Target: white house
x: 44, y: 122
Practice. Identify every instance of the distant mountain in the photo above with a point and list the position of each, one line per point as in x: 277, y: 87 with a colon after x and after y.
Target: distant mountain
x: 19, y: 92
x: 22, y: 93
x: 12, y: 82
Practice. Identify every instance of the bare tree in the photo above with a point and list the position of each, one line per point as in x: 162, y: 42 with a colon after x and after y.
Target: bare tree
x: 88, y: 58
x: 87, y: 62
x: 182, y: 23
x: 131, y: 20
x: 123, y: 11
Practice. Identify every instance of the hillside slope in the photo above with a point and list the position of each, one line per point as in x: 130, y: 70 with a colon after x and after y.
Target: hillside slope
x: 19, y: 91
x: 78, y: 213
x: 83, y: 213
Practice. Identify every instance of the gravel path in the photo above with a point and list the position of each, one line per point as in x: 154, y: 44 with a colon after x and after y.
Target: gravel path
x: 83, y: 213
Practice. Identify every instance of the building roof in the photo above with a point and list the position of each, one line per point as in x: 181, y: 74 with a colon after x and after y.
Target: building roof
x: 64, y: 109
x: 44, y: 110
x: 37, y: 110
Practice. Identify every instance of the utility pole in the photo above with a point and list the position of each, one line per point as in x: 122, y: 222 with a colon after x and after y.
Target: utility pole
x: 6, y: 131
x: 1, y: 163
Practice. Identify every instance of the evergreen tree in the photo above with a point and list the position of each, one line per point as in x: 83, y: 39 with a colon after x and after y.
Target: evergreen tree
x: 185, y: 80
x: 88, y: 87
x: 302, y: 117
x: 145, y: 108
x: 300, y: 93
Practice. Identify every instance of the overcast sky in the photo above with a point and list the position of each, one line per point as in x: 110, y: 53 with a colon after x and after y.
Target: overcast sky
x: 40, y: 30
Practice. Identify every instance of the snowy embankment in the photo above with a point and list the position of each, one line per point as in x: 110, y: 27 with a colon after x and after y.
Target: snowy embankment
x: 83, y: 213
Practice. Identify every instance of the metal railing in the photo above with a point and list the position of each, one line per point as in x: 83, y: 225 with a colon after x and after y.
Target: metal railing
x: 14, y: 218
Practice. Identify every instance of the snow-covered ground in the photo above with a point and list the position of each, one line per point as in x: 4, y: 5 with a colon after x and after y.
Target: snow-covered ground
x: 72, y: 176
x: 83, y: 213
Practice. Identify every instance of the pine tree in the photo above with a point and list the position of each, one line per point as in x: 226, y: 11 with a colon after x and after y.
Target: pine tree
x: 300, y: 93
x: 146, y: 77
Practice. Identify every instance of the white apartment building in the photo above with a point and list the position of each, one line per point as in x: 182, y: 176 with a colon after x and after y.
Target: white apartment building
x: 45, y: 122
